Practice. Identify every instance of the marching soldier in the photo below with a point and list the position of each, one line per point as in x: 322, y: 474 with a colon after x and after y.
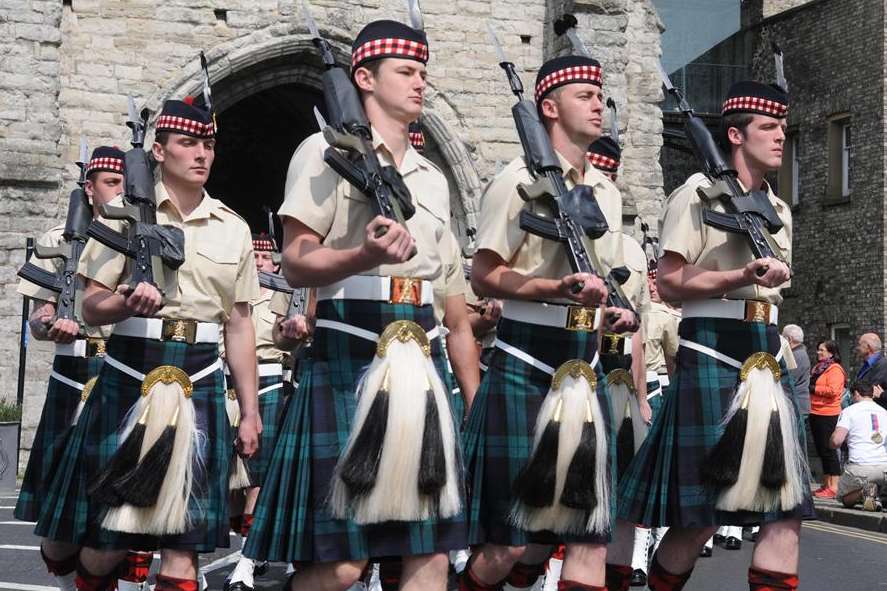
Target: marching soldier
x: 271, y: 362
x: 155, y: 424
x: 729, y: 371
x: 78, y: 356
x: 546, y: 343
x: 339, y: 490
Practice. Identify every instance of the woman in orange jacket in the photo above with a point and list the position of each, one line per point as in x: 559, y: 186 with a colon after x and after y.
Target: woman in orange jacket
x: 827, y: 382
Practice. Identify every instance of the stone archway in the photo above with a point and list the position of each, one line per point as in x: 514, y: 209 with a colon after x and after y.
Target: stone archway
x: 264, y: 74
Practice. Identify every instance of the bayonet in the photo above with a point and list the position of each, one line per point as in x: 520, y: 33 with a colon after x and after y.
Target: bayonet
x: 83, y: 162
x: 415, y: 13
x: 780, y: 71
x: 207, y: 91
x: 566, y: 25
x: 614, y: 120
x: 321, y: 122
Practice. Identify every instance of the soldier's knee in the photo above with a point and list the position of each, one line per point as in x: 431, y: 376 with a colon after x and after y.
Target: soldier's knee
x: 348, y: 573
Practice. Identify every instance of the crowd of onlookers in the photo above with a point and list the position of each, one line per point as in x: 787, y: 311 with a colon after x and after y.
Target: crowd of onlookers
x: 847, y: 417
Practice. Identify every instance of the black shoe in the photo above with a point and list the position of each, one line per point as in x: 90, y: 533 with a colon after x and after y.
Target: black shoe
x: 733, y: 544
x: 260, y: 568
x: 638, y: 578
x: 238, y: 586
x: 718, y: 539
x: 705, y: 552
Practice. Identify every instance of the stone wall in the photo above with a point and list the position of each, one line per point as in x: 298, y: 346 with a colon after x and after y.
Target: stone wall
x: 67, y: 70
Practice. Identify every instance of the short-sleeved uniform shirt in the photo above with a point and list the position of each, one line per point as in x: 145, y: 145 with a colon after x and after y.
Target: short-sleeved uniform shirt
x: 219, y: 269
x: 53, y: 238
x: 263, y: 320
x: 322, y: 200
x: 862, y: 420
x: 660, y: 335
x: 451, y: 281
x: 499, y: 229
x: 683, y: 232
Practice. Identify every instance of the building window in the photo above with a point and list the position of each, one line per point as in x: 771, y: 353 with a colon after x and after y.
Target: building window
x: 839, y: 161
x: 840, y: 334
x: 789, y: 172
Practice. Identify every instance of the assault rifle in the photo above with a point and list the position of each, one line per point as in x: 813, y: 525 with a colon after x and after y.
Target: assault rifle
x: 67, y: 283
x: 749, y: 213
x: 298, y: 296
x: 150, y: 245
x: 349, y: 130
x: 575, y: 211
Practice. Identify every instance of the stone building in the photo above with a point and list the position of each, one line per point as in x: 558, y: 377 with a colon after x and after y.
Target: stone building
x: 66, y: 69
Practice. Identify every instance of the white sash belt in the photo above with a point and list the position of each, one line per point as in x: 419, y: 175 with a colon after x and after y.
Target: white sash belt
x: 369, y: 287
x: 725, y: 359
x: 730, y: 309
x: 361, y: 332
x: 152, y: 328
x: 270, y: 369
x: 530, y: 360
x: 137, y: 375
x: 269, y: 388
x: 66, y: 381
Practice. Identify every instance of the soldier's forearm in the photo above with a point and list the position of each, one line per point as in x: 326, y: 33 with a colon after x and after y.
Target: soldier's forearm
x: 313, y: 265
x: 240, y: 353
x: 102, y: 306
x: 679, y: 281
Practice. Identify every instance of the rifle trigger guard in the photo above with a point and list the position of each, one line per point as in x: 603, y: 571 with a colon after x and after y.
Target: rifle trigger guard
x: 542, y: 187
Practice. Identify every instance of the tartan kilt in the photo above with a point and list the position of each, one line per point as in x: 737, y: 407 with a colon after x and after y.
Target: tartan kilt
x: 53, y: 431
x: 271, y: 409
x: 291, y: 519
x: 71, y: 516
x: 498, y: 437
x: 663, y: 485
x: 655, y: 401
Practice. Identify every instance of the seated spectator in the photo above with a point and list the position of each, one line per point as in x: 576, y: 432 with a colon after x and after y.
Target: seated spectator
x: 863, y: 425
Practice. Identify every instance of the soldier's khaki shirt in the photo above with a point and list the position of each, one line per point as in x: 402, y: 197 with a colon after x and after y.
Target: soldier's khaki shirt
x: 219, y: 268
x: 499, y: 228
x: 52, y: 238
x: 660, y: 324
x: 451, y: 282
x: 322, y: 200
x: 636, y: 288
x: 263, y: 319
x: 683, y: 232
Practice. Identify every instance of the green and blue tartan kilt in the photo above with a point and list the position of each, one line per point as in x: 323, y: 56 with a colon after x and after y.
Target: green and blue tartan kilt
x: 655, y: 401
x: 663, y: 485
x: 498, y: 437
x: 71, y: 516
x: 271, y: 409
x: 53, y: 431
x: 292, y: 522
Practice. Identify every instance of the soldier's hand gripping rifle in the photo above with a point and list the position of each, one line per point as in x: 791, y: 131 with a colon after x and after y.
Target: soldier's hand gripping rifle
x: 67, y: 283
x: 150, y: 245
x: 574, y: 211
x: 749, y: 213
x: 298, y: 296
x: 349, y: 130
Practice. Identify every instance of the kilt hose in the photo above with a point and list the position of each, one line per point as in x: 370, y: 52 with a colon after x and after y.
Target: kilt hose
x: 498, y: 437
x: 271, y: 403
x: 292, y: 521
x: 663, y: 485
x: 70, y: 515
x: 53, y: 431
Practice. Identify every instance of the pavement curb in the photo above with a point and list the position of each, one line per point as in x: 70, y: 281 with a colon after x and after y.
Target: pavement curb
x: 834, y: 513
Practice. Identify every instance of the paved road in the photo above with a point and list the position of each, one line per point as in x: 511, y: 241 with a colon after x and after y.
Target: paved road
x: 833, y: 558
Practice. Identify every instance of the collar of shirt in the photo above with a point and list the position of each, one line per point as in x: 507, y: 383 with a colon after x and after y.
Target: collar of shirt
x: 872, y: 359
x: 412, y: 160
x: 207, y: 206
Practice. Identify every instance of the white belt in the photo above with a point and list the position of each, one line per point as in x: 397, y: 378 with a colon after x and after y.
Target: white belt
x: 136, y: 374
x: 369, y: 287
x: 725, y: 359
x: 270, y: 369
x: 732, y: 309
x: 544, y: 313
x: 287, y: 375
x: 152, y: 328
x: 66, y: 381
x: 75, y: 349
x: 363, y: 333
x: 656, y: 377
x: 530, y: 360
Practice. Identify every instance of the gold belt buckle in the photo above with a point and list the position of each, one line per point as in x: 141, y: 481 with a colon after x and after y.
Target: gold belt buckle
x: 405, y: 290
x: 580, y: 318
x: 614, y: 343
x: 756, y: 311
x: 95, y: 347
x: 180, y: 331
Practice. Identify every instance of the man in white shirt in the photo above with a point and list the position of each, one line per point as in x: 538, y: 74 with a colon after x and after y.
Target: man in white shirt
x: 863, y: 425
